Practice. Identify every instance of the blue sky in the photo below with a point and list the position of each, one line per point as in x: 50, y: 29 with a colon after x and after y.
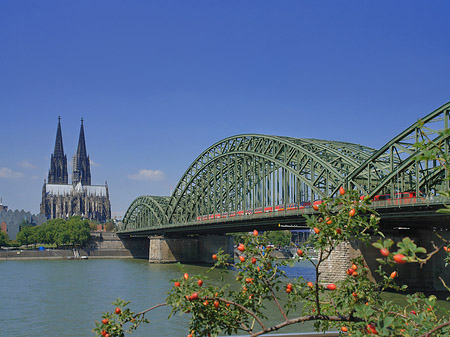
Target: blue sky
x: 158, y: 82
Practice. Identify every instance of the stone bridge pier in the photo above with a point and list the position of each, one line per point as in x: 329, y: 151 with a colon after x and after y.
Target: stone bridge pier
x: 423, y: 278
x: 189, y: 249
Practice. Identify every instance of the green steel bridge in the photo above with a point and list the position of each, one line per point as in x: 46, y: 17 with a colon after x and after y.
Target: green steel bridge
x: 260, y: 181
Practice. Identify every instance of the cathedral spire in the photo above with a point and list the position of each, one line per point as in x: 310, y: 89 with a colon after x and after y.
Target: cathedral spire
x: 58, y: 162
x: 81, y: 165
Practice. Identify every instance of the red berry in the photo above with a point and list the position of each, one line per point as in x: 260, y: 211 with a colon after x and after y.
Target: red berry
x: 310, y: 284
x: 350, y: 271
x: 394, y: 274
x: 299, y: 252
x: 176, y: 284
x: 341, y: 190
x: 338, y: 231
x: 446, y: 248
x: 241, y: 258
x: 103, y: 333
x: 241, y: 247
x: 253, y: 260
x: 289, y: 286
x: 399, y: 258
x: 214, y: 257
x: 331, y: 286
x: 371, y: 329
x: 255, y: 233
x: 384, y: 252
x: 194, y: 297
x: 288, y: 290
x: 105, y: 321
x: 118, y: 311
x: 216, y: 304
x: 200, y: 283
x: 186, y: 276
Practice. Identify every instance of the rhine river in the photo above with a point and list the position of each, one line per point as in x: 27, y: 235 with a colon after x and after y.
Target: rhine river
x: 64, y: 297
x: 49, y: 298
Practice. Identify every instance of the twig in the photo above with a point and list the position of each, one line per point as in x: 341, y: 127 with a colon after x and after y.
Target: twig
x: 240, y: 307
x: 305, y: 319
x: 426, y: 334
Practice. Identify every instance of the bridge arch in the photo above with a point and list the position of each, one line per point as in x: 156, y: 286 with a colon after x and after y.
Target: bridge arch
x: 398, y: 165
x: 247, y: 172
x: 146, y: 211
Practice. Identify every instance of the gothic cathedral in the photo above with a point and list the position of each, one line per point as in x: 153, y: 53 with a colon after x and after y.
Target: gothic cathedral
x: 62, y: 200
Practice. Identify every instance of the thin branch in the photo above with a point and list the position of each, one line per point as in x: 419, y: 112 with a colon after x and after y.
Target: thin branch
x: 276, y: 301
x: 150, y: 309
x: 305, y: 319
x: 426, y: 334
x: 240, y: 307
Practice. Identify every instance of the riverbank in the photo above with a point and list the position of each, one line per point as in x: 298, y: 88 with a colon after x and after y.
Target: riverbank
x: 102, y: 245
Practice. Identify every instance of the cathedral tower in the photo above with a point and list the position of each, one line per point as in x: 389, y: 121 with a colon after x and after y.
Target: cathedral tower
x: 58, y: 162
x: 81, y: 166
x: 63, y: 200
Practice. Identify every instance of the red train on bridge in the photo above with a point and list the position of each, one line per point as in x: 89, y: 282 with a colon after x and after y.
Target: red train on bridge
x: 399, y: 198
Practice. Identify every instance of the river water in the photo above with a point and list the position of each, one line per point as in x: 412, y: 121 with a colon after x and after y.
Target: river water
x: 46, y: 298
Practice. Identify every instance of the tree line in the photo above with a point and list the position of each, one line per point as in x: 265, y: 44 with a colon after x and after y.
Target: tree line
x: 71, y: 232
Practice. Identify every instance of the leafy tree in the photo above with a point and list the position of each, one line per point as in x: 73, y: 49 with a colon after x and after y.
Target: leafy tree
x: 4, y: 239
x: 279, y: 238
x: 24, y: 237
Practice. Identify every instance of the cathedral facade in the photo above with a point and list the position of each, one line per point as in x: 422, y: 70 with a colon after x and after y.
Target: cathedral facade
x: 61, y: 199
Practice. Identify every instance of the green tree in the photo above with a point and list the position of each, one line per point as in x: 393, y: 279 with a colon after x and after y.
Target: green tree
x: 24, y: 237
x: 4, y: 239
x: 279, y: 238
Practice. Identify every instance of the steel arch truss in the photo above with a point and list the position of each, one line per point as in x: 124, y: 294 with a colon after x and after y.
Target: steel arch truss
x: 396, y: 168
x: 247, y: 173
x: 146, y: 212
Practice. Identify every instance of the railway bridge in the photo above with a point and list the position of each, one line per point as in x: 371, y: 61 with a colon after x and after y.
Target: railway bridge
x: 269, y: 182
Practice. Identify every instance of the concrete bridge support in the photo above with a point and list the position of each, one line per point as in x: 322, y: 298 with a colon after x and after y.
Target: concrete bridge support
x: 198, y: 249
x: 418, y: 278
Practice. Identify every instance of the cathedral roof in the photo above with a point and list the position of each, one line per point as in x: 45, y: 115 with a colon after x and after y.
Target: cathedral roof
x: 61, y: 190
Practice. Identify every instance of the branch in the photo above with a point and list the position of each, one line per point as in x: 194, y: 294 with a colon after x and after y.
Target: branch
x: 276, y: 301
x: 443, y: 325
x: 240, y: 307
x: 305, y: 319
x: 150, y: 309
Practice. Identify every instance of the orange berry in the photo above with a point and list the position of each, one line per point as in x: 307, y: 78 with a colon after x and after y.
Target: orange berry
x: 344, y: 329
x: 341, y: 190
x: 394, y: 274
x: 255, y: 233
x: 214, y: 257
x: 241, y: 258
x: 316, y: 230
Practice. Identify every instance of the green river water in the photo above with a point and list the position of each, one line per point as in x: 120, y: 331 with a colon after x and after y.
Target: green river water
x: 46, y: 298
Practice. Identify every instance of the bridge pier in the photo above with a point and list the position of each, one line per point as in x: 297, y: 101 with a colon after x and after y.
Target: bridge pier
x: 418, y: 278
x: 197, y: 249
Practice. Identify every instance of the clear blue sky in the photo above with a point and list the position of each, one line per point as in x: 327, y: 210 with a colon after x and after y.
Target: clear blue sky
x: 158, y: 82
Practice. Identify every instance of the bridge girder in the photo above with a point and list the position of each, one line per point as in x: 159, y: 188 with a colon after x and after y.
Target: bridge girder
x: 397, y: 167
x: 251, y: 171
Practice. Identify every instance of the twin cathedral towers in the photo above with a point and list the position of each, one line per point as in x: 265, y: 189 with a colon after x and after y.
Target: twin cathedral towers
x: 61, y: 199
